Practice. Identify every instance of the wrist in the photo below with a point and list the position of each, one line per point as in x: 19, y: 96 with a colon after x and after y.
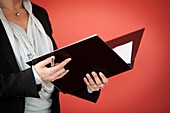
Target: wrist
x: 36, y: 76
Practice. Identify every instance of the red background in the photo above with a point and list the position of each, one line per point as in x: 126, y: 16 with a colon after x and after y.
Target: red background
x: 146, y: 88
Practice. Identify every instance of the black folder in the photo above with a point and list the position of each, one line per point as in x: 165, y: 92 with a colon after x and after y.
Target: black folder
x: 92, y: 54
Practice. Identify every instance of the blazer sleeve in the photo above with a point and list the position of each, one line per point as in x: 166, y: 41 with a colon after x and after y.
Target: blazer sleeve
x: 21, y: 84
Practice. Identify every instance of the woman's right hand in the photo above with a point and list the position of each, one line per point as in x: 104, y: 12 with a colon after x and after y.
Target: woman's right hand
x: 49, y: 74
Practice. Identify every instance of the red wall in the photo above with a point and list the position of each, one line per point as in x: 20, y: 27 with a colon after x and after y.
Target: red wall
x: 145, y: 89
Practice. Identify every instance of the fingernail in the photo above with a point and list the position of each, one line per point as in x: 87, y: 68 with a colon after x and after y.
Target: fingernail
x: 92, y: 72
x: 52, y: 57
x: 87, y: 75
x: 100, y: 73
x: 69, y: 59
x: 67, y: 71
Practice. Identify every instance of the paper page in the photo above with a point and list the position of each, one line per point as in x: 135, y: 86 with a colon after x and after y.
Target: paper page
x: 124, y: 51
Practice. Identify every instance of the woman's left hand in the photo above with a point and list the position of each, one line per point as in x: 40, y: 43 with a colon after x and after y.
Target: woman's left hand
x: 95, y: 83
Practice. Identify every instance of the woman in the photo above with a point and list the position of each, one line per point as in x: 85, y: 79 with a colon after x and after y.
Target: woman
x: 25, y: 33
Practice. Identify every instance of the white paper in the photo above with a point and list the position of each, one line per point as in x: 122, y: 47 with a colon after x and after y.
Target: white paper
x: 124, y: 51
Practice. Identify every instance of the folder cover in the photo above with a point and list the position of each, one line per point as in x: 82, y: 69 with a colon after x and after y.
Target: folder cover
x: 92, y: 54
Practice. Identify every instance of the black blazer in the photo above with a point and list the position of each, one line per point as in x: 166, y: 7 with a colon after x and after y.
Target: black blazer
x: 15, y: 85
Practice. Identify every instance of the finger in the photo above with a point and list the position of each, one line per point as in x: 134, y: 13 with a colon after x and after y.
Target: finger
x: 96, y: 78
x: 46, y: 61
x: 59, y: 66
x: 91, y: 81
x: 104, y: 79
x: 58, y: 73
x: 88, y: 84
x: 60, y: 76
x: 55, y: 76
x: 63, y: 63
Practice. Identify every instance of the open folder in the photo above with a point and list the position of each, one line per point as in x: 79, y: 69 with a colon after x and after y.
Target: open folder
x: 93, y: 54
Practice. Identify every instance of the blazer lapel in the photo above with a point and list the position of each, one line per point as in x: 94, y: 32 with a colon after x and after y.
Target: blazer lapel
x: 5, y: 46
x: 6, y: 49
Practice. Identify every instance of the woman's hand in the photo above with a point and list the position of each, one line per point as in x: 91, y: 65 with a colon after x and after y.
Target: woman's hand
x: 49, y: 74
x: 95, y: 83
